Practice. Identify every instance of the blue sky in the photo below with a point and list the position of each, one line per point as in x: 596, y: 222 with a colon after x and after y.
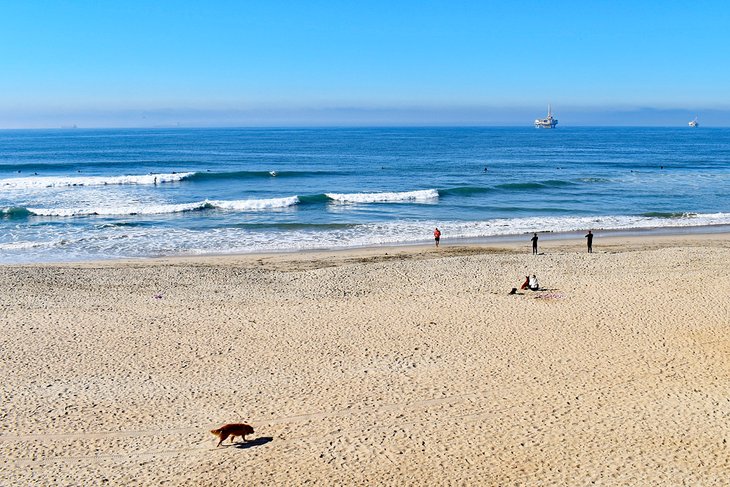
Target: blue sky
x: 133, y: 63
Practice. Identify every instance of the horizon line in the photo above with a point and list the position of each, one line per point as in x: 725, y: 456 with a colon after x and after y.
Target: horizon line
x: 183, y: 126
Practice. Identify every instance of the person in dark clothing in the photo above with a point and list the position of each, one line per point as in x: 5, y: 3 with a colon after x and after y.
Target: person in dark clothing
x: 534, y: 244
x: 589, y: 236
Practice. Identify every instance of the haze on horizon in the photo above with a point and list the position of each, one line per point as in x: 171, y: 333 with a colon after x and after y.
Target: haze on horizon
x: 227, y: 63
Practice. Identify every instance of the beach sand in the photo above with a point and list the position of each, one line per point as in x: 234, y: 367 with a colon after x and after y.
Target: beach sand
x: 398, y: 366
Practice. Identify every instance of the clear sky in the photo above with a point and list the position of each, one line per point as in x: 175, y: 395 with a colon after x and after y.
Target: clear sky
x: 133, y: 63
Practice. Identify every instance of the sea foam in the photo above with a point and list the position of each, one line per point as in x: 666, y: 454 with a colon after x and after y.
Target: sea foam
x: 64, y: 243
x: 34, y: 182
x: 121, y: 210
x: 406, y: 196
x: 255, y: 204
x: 161, y: 209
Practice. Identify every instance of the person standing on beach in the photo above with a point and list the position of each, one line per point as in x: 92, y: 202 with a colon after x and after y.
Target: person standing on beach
x: 534, y: 244
x: 589, y: 236
x: 437, y: 236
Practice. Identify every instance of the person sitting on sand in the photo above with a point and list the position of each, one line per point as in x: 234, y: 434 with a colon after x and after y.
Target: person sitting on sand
x: 532, y: 283
x: 526, y: 283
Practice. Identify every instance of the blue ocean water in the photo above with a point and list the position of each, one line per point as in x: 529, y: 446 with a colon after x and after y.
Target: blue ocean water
x: 96, y: 194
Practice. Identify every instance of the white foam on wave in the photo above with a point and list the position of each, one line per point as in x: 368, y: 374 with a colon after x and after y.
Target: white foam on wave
x: 120, y: 210
x: 21, y: 245
x: 260, y: 204
x: 161, y: 209
x: 406, y: 196
x: 414, y: 232
x: 35, y: 182
x: 64, y: 243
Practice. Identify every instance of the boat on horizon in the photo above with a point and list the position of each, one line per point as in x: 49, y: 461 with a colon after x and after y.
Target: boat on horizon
x: 694, y: 123
x: 548, y: 122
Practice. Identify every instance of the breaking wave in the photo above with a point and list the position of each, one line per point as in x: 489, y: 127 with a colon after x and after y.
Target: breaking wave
x: 233, y: 205
x: 35, y: 182
x: 65, y: 243
x: 402, y: 197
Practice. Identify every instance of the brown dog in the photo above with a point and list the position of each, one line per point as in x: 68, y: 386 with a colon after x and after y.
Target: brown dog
x: 232, y: 430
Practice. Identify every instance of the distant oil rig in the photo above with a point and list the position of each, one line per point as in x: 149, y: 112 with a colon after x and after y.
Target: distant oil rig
x: 548, y: 122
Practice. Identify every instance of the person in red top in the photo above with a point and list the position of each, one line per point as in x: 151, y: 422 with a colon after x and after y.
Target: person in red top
x: 437, y: 236
x: 525, y: 284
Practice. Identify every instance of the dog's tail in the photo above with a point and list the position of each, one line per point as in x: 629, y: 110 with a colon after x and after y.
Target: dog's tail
x: 216, y: 432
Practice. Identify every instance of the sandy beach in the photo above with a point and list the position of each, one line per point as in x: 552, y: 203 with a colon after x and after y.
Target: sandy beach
x: 393, y: 366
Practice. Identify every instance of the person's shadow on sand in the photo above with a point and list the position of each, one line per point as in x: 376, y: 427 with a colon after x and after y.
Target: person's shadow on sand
x: 255, y: 442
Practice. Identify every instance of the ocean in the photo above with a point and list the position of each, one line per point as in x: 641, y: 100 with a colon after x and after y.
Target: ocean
x: 78, y: 194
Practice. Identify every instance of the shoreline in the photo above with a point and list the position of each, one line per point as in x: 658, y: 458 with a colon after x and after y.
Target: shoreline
x: 637, y: 238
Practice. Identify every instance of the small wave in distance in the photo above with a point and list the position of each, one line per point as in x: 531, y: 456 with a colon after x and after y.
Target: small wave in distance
x: 243, y: 175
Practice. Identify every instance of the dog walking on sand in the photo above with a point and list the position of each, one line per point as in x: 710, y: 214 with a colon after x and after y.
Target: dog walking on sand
x: 232, y: 430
